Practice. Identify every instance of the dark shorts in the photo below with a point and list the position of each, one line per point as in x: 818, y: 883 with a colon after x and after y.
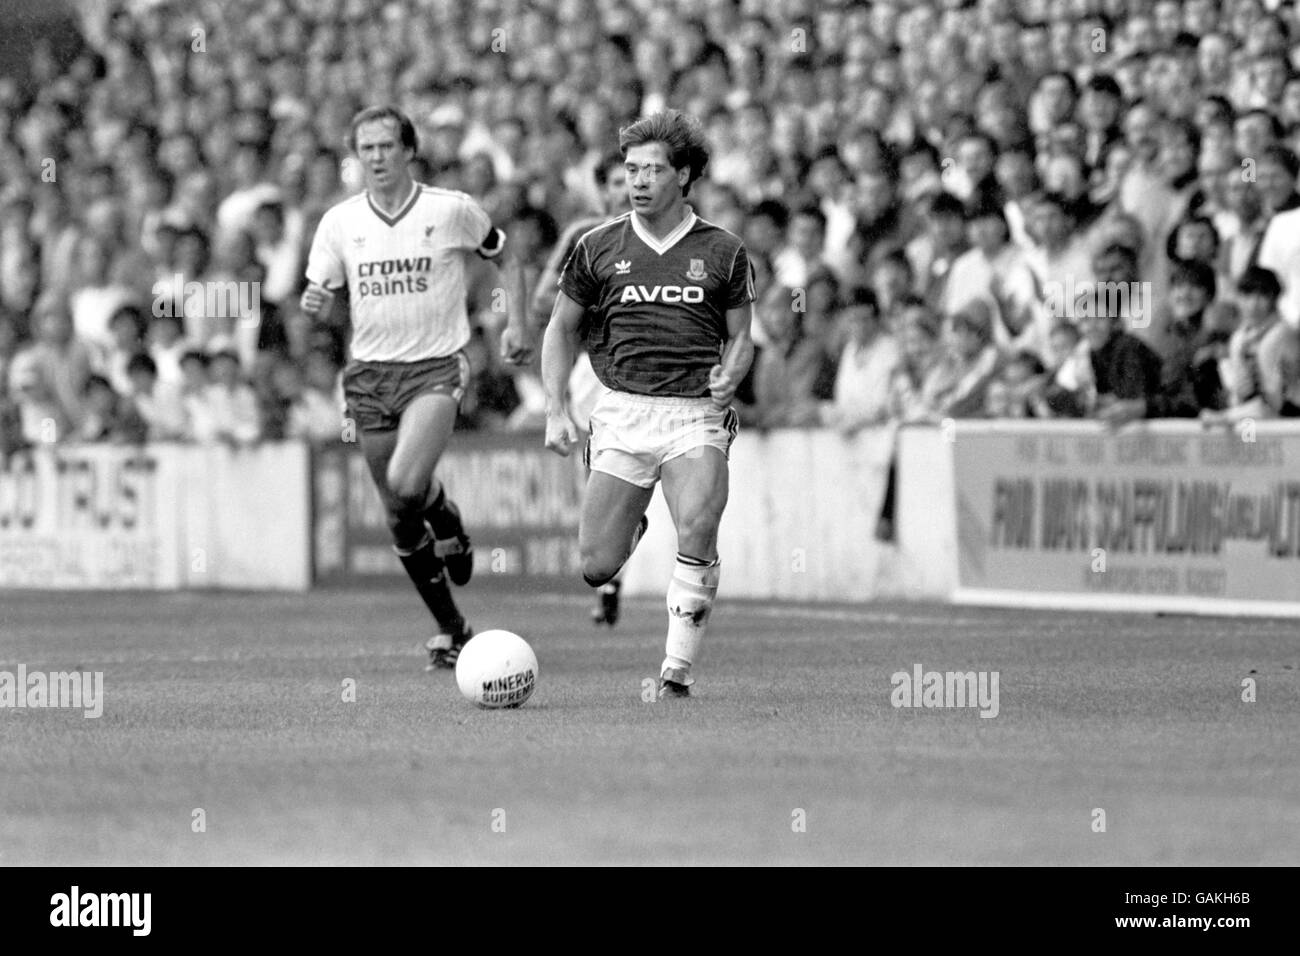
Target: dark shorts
x: 378, y: 393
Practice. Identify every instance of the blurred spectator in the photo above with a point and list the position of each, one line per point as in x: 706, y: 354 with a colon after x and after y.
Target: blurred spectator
x: 1189, y: 380
x: 158, y: 405
x: 866, y: 368
x: 1279, y: 249
x: 492, y: 396
x: 786, y: 367
x: 227, y: 410
x: 278, y: 245
x: 1263, y: 367
x: 933, y: 253
x: 126, y: 340
x: 990, y: 104
x: 918, y: 352
x: 316, y: 409
x: 108, y: 416
x: 1125, y: 370
x: 167, y: 348
x: 995, y: 270
x: 802, y: 253
x: 1017, y: 391
x: 957, y: 384
x: 49, y: 376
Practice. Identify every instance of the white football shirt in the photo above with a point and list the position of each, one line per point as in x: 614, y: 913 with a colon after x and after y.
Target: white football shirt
x: 405, y: 273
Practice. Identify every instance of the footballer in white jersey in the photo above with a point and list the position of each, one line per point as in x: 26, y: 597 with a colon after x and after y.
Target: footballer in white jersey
x: 400, y: 250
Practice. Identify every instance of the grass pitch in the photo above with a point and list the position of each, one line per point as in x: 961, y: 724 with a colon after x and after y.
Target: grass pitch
x: 790, y: 752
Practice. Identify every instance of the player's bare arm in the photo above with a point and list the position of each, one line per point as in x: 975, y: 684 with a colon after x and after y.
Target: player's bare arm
x: 559, y: 347
x: 726, y: 376
x: 317, y: 301
x: 518, y: 342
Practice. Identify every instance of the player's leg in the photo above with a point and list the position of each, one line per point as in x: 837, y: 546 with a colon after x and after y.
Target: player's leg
x: 413, y: 494
x: 607, y: 607
x: 427, y: 422
x: 613, y: 519
x: 695, y: 487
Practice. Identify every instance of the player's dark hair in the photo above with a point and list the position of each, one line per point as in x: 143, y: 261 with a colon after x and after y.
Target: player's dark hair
x: 1257, y: 279
x: 681, y: 135
x: 370, y: 114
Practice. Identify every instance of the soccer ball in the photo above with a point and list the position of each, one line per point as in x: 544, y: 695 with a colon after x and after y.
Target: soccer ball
x: 497, y: 669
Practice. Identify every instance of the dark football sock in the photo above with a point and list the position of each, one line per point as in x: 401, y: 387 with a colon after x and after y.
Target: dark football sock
x: 443, y: 516
x: 426, y: 573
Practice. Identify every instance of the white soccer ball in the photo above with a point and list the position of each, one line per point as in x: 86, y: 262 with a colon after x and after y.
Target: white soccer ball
x: 497, y: 669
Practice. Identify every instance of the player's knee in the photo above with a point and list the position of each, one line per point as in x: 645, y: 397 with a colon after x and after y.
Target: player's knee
x: 407, y: 490
x: 698, y: 532
x: 599, y: 565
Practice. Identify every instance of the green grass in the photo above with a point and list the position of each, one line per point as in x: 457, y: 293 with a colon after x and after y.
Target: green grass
x: 233, y: 703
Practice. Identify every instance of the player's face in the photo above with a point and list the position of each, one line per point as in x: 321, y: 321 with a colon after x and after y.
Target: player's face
x: 653, y: 185
x: 383, y: 158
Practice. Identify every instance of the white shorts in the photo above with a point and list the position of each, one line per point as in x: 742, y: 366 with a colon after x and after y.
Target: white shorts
x: 633, y: 435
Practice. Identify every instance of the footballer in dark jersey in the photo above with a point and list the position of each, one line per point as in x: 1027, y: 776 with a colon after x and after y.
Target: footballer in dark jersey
x: 671, y: 304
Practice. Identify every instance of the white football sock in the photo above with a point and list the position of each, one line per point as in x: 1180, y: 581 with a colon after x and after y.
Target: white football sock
x: 690, y: 600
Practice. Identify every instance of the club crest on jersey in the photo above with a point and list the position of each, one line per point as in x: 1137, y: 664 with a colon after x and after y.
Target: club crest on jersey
x: 623, y: 267
x: 696, y: 271
x: 670, y: 294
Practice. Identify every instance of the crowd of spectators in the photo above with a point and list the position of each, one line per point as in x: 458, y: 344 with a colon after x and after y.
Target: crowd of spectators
x: 955, y: 208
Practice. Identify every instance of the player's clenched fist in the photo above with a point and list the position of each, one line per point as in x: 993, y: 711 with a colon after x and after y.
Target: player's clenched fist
x: 721, y: 388
x: 316, y: 299
x: 561, y: 433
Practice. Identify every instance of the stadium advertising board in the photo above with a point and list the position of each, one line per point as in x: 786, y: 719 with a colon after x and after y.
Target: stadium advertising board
x: 1164, y: 516
x: 520, y: 503
x: 88, y: 517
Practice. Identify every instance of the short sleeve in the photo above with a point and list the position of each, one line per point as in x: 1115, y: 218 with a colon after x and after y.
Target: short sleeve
x: 740, y: 284
x: 325, y: 262
x: 474, y: 230
x: 578, y: 281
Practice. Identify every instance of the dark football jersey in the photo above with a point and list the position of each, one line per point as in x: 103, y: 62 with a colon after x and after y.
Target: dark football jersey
x: 660, y: 305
